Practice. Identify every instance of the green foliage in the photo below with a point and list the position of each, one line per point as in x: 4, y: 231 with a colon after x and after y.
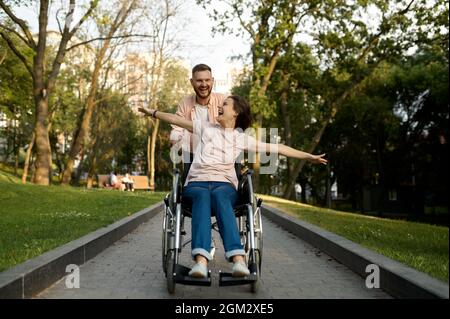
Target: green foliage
x: 116, y: 133
x: 174, y: 86
x: 393, y: 132
x: 351, y: 58
x: 16, y: 101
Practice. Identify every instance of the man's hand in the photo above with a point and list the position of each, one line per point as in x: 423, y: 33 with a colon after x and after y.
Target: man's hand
x: 318, y: 159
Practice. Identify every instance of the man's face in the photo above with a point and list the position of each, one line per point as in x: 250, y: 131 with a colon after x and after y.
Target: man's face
x: 202, y: 82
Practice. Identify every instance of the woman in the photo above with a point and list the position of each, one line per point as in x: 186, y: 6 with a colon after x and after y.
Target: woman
x: 212, y: 182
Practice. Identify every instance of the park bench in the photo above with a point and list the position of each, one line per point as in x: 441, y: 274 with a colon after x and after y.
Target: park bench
x: 140, y: 181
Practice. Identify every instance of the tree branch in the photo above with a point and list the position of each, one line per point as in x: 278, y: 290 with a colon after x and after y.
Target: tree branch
x: 17, y: 53
x: 17, y: 34
x: 246, y: 27
x: 377, y: 36
x: 19, y: 22
x: 92, y: 6
x: 109, y: 38
x: 66, y: 36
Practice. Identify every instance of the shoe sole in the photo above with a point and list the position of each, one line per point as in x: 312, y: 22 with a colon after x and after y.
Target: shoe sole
x: 197, y: 275
x: 239, y: 274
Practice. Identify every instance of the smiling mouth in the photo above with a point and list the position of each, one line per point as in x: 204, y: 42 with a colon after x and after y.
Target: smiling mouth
x: 220, y: 112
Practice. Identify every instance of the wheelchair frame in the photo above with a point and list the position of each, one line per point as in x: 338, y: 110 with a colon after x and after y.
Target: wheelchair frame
x: 248, y: 213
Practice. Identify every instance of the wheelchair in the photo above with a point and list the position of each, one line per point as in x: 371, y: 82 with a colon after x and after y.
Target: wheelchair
x: 248, y: 214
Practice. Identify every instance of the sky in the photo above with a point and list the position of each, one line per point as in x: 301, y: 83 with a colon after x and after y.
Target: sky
x: 203, y: 47
x: 199, y: 44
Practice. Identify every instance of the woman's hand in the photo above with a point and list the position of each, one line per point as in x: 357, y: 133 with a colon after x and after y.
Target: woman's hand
x: 148, y: 112
x: 318, y: 159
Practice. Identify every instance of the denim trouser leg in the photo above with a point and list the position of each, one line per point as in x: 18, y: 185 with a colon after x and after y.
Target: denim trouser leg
x: 199, y: 195
x: 223, y: 198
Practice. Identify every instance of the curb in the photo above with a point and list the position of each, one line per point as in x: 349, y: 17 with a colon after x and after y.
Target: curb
x: 29, y: 278
x: 397, y: 279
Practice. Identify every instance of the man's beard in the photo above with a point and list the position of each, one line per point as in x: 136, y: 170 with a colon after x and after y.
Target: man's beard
x: 197, y: 91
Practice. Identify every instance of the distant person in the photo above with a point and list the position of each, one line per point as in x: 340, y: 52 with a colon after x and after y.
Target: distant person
x: 128, y: 182
x: 298, y: 191
x: 115, y: 182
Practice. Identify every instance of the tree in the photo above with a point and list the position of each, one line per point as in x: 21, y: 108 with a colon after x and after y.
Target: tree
x: 163, y: 46
x: 354, y: 49
x: 43, y: 82
x: 108, y: 26
x: 271, y: 26
x: 393, y: 136
x: 350, y: 39
x: 115, y: 133
x: 16, y: 103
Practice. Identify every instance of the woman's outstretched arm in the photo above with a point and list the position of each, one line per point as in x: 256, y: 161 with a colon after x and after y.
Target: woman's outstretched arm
x: 168, y: 117
x: 292, y: 152
x: 285, y: 150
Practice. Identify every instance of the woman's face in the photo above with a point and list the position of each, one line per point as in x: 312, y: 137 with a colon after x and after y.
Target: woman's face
x: 227, y: 114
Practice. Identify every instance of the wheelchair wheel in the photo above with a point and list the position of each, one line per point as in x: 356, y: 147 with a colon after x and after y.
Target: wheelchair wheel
x: 255, y: 285
x: 259, y: 235
x: 170, y: 262
x: 165, y: 239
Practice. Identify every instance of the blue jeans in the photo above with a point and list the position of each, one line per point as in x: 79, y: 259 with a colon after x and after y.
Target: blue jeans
x: 219, y: 197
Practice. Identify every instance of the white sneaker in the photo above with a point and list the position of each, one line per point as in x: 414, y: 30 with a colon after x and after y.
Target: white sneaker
x: 199, y: 270
x: 240, y: 269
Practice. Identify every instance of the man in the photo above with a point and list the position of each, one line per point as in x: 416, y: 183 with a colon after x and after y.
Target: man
x: 203, y: 105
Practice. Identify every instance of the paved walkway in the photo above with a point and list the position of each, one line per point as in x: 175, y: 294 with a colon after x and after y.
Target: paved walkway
x: 131, y: 268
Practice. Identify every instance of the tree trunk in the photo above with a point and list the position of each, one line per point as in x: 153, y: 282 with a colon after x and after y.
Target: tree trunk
x: 27, y: 159
x: 82, y: 134
x: 149, y: 155
x: 152, y: 154
x: 286, y: 122
x: 43, y: 161
x: 93, y: 159
x: 92, y: 171
x: 33, y: 168
x: 299, y: 166
x: 257, y: 162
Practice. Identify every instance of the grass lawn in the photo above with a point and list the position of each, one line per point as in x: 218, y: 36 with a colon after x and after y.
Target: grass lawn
x: 420, y: 246
x: 35, y: 219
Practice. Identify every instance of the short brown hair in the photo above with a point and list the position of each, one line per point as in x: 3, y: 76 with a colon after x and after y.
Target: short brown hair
x: 200, y: 67
x: 240, y: 106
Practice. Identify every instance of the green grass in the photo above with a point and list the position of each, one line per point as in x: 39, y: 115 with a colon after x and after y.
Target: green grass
x: 35, y: 219
x: 420, y: 246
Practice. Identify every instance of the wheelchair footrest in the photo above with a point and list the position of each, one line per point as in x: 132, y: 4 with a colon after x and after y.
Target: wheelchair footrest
x: 182, y: 277
x: 227, y: 279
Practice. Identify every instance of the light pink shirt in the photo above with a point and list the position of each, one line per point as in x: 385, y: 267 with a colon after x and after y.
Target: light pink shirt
x: 215, y: 152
